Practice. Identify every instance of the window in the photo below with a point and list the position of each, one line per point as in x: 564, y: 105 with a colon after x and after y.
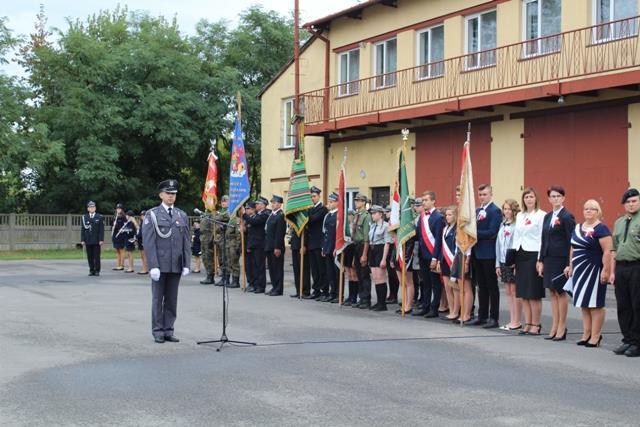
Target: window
x: 542, y: 20
x: 288, y: 129
x: 431, y: 52
x: 481, y: 40
x: 615, y: 10
x: 349, y: 63
x: 350, y: 194
x: 385, y: 63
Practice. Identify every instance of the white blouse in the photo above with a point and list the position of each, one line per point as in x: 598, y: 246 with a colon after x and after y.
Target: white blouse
x: 528, y: 231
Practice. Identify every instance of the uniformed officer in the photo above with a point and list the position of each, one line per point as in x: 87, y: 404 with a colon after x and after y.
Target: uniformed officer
x: 233, y: 250
x: 250, y: 209
x: 167, y: 243
x: 275, y: 229
x: 222, y: 217
x: 314, y: 245
x: 328, y: 249
x: 360, y: 234
x: 206, y: 241
x: 92, y: 237
x: 255, y: 223
x: 296, y: 246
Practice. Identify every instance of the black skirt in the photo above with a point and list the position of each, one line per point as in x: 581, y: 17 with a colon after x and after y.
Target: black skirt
x: 528, y: 282
x: 348, y: 255
x: 445, y: 269
x: 554, y: 267
x: 508, y: 274
x: 375, y: 255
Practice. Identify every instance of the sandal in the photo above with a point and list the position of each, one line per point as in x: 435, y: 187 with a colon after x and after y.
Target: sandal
x: 515, y: 328
x: 525, y: 331
x: 118, y: 268
x: 536, y: 326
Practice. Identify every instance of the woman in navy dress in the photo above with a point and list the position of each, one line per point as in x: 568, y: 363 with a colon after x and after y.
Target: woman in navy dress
x: 591, y: 246
x: 118, y: 238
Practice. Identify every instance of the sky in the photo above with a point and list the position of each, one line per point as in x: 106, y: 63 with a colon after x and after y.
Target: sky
x: 21, y: 13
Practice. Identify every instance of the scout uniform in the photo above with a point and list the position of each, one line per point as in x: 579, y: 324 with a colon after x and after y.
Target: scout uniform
x: 360, y: 235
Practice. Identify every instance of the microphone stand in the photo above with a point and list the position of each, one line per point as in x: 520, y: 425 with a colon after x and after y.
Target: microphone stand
x: 225, y: 294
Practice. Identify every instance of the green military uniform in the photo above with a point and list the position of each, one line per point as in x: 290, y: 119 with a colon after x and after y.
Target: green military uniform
x: 206, y: 237
x: 233, y: 251
x: 222, y: 215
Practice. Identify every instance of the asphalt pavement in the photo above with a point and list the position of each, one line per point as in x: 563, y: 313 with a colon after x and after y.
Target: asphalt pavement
x: 78, y: 351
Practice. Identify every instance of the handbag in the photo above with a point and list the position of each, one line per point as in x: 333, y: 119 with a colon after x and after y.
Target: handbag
x: 510, y: 258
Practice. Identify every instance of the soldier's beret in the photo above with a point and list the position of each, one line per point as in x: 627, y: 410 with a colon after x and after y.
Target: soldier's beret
x: 91, y: 204
x: 262, y: 200
x: 360, y: 196
x: 315, y: 189
x: 278, y: 199
x: 168, y: 186
x: 632, y: 192
x: 334, y: 197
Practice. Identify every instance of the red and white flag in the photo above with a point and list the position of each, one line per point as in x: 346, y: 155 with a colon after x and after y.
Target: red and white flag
x: 210, y: 193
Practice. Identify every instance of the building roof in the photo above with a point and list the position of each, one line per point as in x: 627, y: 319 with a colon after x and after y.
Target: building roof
x: 354, y: 12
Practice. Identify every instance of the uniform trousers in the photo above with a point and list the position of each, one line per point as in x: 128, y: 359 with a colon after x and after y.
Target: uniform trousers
x: 306, y: 286
x: 627, y: 289
x: 363, y: 273
x: 430, y: 288
x: 164, y: 300
x: 93, y: 257
x: 318, y: 271
x: 246, y: 260
x: 276, y: 271
x: 257, y: 258
x: 488, y: 292
x: 333, y: 273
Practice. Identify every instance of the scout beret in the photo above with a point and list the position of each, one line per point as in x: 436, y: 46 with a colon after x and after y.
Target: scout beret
x: 376, y: 208
x: 361, y: 197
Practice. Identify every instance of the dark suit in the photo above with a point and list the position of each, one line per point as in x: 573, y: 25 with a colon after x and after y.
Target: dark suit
x: 556, y: 245
x: 328, y: 245
x: 255, y: 248
x: 275, y: 230
x: 91, y: 234
x: 295, y: 258
x: 483, y: 257
x: 429, y: 250
x: 314, y: 247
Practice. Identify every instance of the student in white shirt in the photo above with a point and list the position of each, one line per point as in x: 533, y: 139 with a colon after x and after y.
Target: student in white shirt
x: 527, y: 238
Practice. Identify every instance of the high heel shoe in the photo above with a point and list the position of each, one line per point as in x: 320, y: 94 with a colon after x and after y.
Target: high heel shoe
x: 551, y: 337
x: 562, y: 338
x: 588, y: 344
x: 525, y: 330
x: 535, y: 326
x: 583, y: 342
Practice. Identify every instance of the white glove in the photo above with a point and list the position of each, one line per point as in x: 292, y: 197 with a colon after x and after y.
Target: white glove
x: 154, y: 273
x: 185, y: 271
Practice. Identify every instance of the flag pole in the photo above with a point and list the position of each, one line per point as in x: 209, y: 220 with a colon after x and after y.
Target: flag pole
x: 301, y: 286
x: 341, y: 280
x: 403, y: 280
x: 463, y: 252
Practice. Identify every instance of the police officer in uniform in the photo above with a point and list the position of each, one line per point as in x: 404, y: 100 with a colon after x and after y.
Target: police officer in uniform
x: 206, y: 240
x: 275, y: 229
x: 314, y: 245
x: 360, y: 235
x: 233, y: 251
x: 167, y: 243
x: 328, y: 248
x: 250, y: 209
x: 92, y: 237
x: 221, y: 216
x: 255, y: 223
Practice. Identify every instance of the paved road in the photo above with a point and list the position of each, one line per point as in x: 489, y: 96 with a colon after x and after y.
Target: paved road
x: 78, y: 351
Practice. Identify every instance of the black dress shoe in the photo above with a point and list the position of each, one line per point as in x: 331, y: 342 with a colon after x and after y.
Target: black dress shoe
x: 392, y: 300
x: 632, y: 351
x: 419, y: 313
x: 364, y: 305
x: 171, y: 339
x: 333, y: 300
x: 250, y: 289
x: 97, y: 273
x: 431, y: 314
x: 308, y: 296
x: 479, y: 322
x: 491, y: 323
x: 159, y: 340
x: 92, y: 274
x: 259, y: 291
x: 621, y: 349
x: 294, y: 296
x: 346, y: 303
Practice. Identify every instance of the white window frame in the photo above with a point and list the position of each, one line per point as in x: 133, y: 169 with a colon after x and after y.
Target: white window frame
x: 542, y: 45
x: 480, y: 59
x: 288, y: 135
x: 388, y: 78
x: 428, y: 70
x: 603, y: 33
x: 349, y: 87
x: 350, y: 194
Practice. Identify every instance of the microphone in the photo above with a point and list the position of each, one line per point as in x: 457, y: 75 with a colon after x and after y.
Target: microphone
x: 198, y: 211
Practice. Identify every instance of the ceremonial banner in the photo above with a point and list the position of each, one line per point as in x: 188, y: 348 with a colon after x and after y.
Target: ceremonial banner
x: 210, y: 193
x: 405, y: 228
x: 466, y: 234
x: 299, y: 197
x: 343, y: 231
x: 239, y: 189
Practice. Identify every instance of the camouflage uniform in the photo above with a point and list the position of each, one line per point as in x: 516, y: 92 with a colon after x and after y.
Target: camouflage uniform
x: 206, y: 236
x: 233, y: 251
x: 221, y: 216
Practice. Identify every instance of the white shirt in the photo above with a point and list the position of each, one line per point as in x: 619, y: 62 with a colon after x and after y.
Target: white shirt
x: 528, y: 231
x: 166, y: 207
x: 554, y: 216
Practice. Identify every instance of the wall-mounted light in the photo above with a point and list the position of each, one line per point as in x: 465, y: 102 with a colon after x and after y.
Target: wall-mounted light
x: 363, y: 174
x: 561, y: 99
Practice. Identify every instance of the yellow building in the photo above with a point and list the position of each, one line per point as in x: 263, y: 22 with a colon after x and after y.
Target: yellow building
x: 550, y: 88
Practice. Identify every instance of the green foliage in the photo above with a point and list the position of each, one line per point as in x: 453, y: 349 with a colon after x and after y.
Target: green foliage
x: 124, y: 100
